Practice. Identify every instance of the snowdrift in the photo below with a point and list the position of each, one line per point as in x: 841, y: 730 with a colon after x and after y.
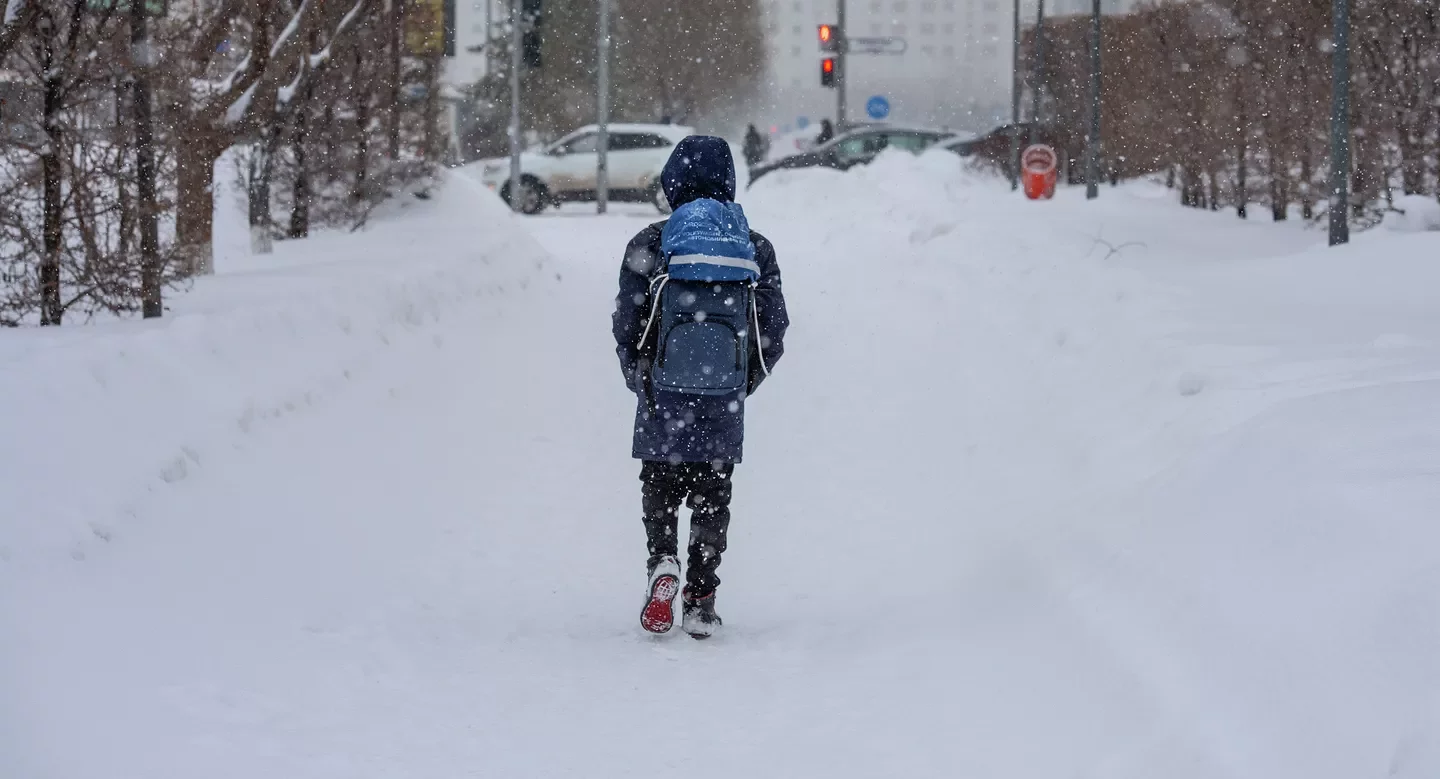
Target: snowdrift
x: 1215, y: 440
x: 99, y: 417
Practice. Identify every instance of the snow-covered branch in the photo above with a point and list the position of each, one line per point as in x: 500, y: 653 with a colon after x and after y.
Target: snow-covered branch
x: 290, y: 28
x: 19, y: 16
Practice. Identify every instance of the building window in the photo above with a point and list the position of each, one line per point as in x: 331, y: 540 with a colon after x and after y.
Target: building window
x: 874, y: 28
x: 948, y: 51
x: 799, y: 6
x: 948, y: 29
x: 988, y: 51
x: 990, y: 6
x: 928, y: 51
x: 794, y: 51
x: 989, y: 29
x: 795, y: 29
x: 897, y: 28
x: 874, y: 6
x: 928, y: 6
x: 950, y: 5
x: 927, y: 29
x: 901, y: 5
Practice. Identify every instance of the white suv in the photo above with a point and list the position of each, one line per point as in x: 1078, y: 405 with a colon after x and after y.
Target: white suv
x: 565, y: 170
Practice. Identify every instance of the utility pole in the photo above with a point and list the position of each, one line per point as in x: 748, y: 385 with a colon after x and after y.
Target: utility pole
x: 515, y: 105
x: 1015, y: 104
x: 843, y: 48
x: 1092, y: 152
x: 489, y: 37
x: 602, y: 112
x: 1340, y: 128
x: 141, y: 55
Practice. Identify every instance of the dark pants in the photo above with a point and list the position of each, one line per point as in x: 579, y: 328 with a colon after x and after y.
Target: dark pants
x: 705, y: 488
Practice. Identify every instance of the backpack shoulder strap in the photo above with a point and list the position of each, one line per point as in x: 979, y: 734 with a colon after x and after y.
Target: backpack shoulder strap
x: 662, y: 262
x: 659, y: 277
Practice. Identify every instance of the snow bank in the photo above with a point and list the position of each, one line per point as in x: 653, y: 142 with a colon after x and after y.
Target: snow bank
x: 101, y: 416
x: 1214, y: 440
x: 1414, y: 214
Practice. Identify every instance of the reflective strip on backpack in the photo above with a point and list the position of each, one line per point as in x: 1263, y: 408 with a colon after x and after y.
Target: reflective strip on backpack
x: 725, y: 262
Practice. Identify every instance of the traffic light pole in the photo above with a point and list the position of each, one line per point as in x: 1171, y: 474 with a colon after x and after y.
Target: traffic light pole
x: 843, y: 47
x: 602, y: 112
x: 515, y: 105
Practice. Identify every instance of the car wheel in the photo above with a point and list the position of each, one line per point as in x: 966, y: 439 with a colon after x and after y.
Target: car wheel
x: 657, y: 197
x: 531, y: 194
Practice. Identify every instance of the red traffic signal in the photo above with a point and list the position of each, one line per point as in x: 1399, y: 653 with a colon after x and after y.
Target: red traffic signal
x: 827, y: 72
x: 829, y: 37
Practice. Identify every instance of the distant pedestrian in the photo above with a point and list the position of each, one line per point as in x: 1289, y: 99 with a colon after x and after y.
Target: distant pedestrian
x: 699, y: 323
x: 827, y: 132
x: 754, y: 147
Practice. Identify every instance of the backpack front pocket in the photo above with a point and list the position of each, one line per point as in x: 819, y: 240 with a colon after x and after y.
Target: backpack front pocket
x: 702, y: 356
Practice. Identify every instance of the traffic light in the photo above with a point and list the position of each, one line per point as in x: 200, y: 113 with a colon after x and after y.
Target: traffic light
x: 829, y: 37
x: 827, y: 72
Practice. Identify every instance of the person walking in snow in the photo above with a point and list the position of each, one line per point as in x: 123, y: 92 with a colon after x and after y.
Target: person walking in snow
x: 699, y: 323
x: 827, y: 132
x: 754, y: 147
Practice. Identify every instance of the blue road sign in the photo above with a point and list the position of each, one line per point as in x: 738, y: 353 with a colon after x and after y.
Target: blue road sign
x: 877, y: 107
x: 802, y: 122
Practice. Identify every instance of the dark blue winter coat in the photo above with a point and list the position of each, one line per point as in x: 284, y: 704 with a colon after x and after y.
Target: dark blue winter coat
x: 691, y: 428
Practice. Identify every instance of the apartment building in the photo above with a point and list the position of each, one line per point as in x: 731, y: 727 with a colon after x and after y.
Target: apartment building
x: 955, y: 72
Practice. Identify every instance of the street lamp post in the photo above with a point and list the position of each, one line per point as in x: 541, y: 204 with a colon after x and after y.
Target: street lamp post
x: 602, y: 112
x: 1340, y: 128
x: 1092, y: 152
x: 142, y: 53
x: 515, y: 195
x: 1039, y: 75
x: 1015, y: 103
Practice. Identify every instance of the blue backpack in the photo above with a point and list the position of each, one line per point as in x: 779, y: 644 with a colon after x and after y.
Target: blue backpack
x: 703, y: 305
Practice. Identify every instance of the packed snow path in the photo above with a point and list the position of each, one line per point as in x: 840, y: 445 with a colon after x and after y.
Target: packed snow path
x: 1083, y: 498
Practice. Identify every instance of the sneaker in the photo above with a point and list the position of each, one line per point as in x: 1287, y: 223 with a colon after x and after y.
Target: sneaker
x: 700, y: 619
x: 658, y: 616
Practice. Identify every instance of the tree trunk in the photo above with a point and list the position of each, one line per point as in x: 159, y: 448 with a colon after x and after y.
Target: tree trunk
x: 124, y: 236
x: 362, y: 151
x: 51, y: 309
x: 396, y: 48
x: 300, y: 208
x: 1307, y: 198
x: 257, y: 194
x: 432, y: 108
x: 1412, y: 163
x: 1279, y: 199
x: 195, y: 207
x: 1242, y: 159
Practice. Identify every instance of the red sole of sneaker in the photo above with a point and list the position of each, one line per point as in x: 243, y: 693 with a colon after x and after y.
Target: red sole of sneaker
x: 658, y: 616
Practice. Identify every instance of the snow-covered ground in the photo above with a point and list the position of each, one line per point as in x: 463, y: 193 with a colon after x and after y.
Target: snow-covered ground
x: 1109, y: 490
